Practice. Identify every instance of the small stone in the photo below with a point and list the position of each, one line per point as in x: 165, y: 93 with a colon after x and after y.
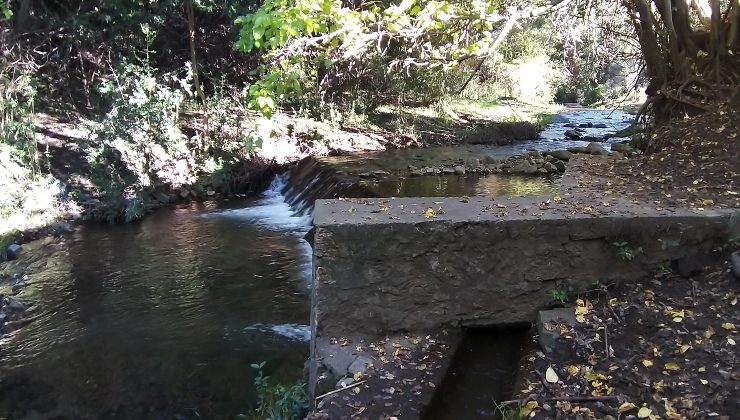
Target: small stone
x: 380, y: 173
x: 560, y: 165
x: 550, y: 167
x: 600, y: 125
x: 365, y: 175
x: 412, y: 168
x: 542, y: 171
x: 618, y: 156
x: 448, y: 171
x: 344, y: 383
x: 359, y: 365
x: 13, y: 251
x: 460, y: 170
x: 549, y: 337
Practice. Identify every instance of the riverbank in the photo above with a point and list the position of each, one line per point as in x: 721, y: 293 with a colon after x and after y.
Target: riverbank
x: 663, y: 347
x: 82, y: 176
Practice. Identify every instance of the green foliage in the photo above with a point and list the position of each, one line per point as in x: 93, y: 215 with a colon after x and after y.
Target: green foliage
x: 561, y: 294
x: 626, y: 252
x: 276, y: 401
x: 17, y: 102
x: 668, y: 243
x: 730, y: 244
x: 360, y: 54
x: 511, y: 411
x: 663, y: 272
x: 6, y: 12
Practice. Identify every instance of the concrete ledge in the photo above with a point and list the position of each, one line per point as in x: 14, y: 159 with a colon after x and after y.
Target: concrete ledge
x: 415, y: 264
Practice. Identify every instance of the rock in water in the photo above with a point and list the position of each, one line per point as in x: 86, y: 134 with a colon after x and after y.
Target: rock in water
x: 572, y: 135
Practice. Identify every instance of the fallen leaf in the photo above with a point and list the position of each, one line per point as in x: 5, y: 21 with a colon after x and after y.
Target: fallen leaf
x: 647, y: 363
x: 672, y: 366
x: 627, y: 406
x: 551, y: 376
x: 644, y: 413
x: 709, y: 332
x: 684, y: 348
x: 728, y: 326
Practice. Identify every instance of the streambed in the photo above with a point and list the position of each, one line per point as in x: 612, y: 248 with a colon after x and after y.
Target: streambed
x: 162, y: 318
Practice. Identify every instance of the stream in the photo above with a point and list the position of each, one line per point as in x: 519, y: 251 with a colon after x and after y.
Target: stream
x: 161, y: 319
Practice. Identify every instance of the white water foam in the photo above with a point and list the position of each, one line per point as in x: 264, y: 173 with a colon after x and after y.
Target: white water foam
x: 296, y: 332
x: 271, y: 211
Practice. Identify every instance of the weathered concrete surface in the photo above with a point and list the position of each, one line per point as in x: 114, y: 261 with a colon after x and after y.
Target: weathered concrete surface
x: 384, y: 266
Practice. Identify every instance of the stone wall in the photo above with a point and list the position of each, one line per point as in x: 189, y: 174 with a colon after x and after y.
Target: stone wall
x: 383, y: 266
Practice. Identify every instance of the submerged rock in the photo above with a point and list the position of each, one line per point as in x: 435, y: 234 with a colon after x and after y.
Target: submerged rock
x: 572, y: 135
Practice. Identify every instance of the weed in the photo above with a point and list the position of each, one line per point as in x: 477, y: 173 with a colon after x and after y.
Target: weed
x: 663, y: 272
x: 513, y: 411
x: 625, y: 252
x: 729, y: 245
x: 277, y: 401
x: 561, y: 293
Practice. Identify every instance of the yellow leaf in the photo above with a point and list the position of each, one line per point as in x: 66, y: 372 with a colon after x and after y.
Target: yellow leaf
x: 551, y: 376
x: 709, y: 332
x: 573, y: 370
x: 429, y: 213
x: 728, y: 326
x: 422, y: 366
x: 672, y: 366
x: 531, y: 405
x: 707, y: 202
x: 684, y: 348
x: 701, y: 369
x: 356, y: 390
x: 703, y: 381
x: 357, y: 376
x: 644, y: 413
x: 627, y: 406
x: 647, y: 363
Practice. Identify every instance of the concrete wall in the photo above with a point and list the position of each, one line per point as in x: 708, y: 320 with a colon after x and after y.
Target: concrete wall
x: 382, y: 266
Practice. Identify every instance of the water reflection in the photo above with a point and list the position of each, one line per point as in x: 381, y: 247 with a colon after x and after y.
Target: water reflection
x: 151, y: 320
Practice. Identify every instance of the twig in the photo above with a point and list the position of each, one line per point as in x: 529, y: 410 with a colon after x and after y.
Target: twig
x: 583, y: 399
x: 606, y: 342
x: 340, y: 389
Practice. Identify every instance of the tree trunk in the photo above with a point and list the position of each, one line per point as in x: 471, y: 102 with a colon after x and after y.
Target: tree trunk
x: 194, y: 60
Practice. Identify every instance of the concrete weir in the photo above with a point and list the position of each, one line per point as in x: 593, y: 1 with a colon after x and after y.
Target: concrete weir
x: 415, y: 265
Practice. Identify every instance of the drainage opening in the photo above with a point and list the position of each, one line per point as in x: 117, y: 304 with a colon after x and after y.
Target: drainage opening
x: 483, y: 372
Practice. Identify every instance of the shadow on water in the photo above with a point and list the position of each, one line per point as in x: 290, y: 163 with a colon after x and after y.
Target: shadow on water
x: 483, y: 372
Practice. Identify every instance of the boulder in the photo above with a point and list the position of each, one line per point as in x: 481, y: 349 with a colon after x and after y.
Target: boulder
x: 547, y: 327
x: 184, y: 193
x: 596, y: 149
x: 360, y: 365
x: 550, y: 167
x: 560, y: 165
x: 572, y: 135
x: 593, y: 138
x: 561, y: 154
x: 600, y: 125
x: 586, y: 125
x: 618, y: 156
x: 460, y: 170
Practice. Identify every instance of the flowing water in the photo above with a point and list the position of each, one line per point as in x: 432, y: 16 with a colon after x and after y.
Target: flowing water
x: 161, y: 319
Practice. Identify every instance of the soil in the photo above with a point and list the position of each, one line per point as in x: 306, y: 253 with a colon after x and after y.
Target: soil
x: 661, y: 348
x: 664, y: 347
x: 698, y: 166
